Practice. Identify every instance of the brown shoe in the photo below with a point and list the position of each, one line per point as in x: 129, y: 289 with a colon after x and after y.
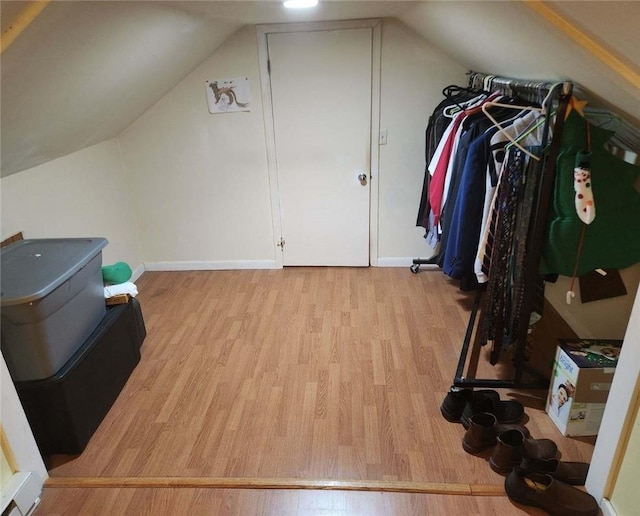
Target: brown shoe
x: 555, y: 497
x: 501, y: 428
x: 483, y: 432
x: 513, y: 446
x: 573, y: 473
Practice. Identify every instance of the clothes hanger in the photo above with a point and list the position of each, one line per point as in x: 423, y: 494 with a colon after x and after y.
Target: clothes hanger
x: 489, y: 104
x: 453, y: 90
x: 537, y: 123
x: 487, y: 83
x: 451, y: 111
x: 546, y: 102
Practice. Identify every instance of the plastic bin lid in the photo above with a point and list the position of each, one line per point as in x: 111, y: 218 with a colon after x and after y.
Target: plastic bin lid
x: 31, y: 269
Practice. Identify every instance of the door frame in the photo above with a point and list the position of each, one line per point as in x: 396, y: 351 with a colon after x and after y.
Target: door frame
x: 618, y: 418
x: 267, y: 107
x: 20, y: 448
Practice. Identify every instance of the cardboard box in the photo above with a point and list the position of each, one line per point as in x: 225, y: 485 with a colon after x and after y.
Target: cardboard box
x: 582, y: 376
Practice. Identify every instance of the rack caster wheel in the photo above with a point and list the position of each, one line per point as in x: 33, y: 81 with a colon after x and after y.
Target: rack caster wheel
x: 415, y: 268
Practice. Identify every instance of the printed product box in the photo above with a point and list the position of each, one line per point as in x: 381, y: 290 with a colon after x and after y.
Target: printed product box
x: 582, y: 376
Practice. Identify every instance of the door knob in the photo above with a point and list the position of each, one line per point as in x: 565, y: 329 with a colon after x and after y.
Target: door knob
x: 363, y: 179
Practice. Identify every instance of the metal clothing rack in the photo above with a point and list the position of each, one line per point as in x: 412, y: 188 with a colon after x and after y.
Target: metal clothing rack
x: 552, y: 97
x: 556, y: 95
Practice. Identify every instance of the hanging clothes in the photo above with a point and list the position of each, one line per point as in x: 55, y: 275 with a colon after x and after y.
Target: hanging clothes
x: 442, y: 161
x: 509, y: 228
x: 455, y: 96
x: 482, y: 203
x: 473, y: 127
x: 529, y: 130
x: 461, y: 243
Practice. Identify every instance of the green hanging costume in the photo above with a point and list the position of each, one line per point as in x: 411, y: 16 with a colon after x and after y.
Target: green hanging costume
x: 612, y: 240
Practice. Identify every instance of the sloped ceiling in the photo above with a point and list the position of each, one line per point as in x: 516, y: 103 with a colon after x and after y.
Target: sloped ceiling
x: 510, y: 39
x: 82, y: 72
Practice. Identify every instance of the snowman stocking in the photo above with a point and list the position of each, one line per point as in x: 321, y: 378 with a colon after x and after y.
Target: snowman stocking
x: 585, y: 207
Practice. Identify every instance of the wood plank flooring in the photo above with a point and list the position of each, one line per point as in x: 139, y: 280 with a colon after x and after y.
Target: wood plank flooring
x: 301, y: 373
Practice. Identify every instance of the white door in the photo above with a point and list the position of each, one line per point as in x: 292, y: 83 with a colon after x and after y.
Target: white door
x: 321, y: 98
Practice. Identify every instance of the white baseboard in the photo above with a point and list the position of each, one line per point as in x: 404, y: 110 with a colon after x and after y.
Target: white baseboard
x: 24, y: 490
x: 401, y: 262
x: 250, y: 264
x: 137, y: 272
x: 607, y: 508
x: 210, y: 266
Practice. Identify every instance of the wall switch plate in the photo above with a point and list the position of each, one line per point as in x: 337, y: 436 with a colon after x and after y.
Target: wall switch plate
x: 383, y: 137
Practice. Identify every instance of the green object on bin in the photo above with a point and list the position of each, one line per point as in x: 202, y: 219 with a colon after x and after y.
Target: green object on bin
x: 117, y: 273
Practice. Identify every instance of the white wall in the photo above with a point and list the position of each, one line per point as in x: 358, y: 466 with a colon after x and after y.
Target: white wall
x: 84, y: 194
x: 413, y: 77
x: 201, y: 180
x: 625, y: 497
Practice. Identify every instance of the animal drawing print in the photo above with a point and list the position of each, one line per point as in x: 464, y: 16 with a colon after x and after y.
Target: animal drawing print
x: 585, y: 207
x: 218, y: 92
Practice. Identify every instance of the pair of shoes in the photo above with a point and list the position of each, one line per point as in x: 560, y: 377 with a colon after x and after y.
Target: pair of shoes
x: 573, y: 473
x: 484, y: 430
x: 513, y: 446
x: 457, y: 399
x: 505, y: 411
x: 544, y: 491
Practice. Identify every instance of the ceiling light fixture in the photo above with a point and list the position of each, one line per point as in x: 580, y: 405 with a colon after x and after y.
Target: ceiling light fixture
x: 300, y: 4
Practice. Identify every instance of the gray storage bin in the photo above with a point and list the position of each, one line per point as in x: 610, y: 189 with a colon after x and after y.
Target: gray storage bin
x: 52, y: 299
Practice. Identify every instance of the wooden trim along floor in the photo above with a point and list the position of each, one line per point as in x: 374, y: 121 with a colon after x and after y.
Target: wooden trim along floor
x: 268, y: 502
x: 268, y: 496
x: 276, y: 483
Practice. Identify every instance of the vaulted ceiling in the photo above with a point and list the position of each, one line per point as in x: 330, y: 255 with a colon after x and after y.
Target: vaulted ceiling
x: 81, y: 72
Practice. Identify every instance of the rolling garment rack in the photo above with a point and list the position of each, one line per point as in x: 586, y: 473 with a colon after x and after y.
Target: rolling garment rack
x: 556, y: 99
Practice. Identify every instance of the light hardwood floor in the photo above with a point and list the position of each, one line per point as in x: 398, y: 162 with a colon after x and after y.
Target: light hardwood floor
x: 333, y: 374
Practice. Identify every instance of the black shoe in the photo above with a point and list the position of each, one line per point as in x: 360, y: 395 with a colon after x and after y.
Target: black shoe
x: 505, y: 411
x: 456, y: 400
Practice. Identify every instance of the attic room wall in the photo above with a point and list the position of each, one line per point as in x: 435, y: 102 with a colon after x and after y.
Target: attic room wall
x: 201, y: 181
x: 413, y: 77
x: 84, y: 194
x: 604, y: 319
